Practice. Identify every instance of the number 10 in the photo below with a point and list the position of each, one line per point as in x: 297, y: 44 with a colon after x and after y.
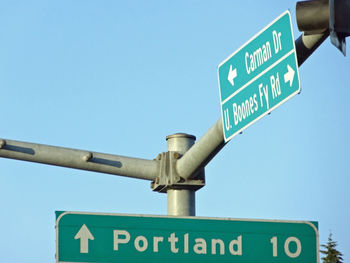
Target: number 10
x: 295, y: 254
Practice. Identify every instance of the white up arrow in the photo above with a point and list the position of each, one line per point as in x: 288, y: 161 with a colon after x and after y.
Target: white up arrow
x: 232, y: 74
x: 289, y: 76
x: 84, y: 235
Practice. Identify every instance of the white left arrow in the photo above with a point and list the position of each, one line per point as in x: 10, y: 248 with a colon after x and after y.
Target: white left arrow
x: 289, y: 76
x: 84, y: 235
x: 232, y: 74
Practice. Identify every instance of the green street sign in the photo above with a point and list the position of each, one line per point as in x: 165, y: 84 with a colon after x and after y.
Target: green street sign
x: 258, y: 77
x: 95, y: 237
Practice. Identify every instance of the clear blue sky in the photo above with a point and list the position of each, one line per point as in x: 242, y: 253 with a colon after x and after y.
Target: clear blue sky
x: 119, y: 76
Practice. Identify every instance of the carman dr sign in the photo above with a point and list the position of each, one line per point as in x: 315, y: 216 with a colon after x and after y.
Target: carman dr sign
x: 258, y: 77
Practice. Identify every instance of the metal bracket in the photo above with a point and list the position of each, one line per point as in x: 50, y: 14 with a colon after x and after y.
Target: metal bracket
x: 168, y: 177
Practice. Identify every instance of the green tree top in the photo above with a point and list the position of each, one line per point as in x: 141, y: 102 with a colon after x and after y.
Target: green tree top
x: 332, y: 255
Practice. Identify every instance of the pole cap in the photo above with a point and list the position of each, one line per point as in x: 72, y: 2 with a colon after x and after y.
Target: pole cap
x: 181, y: 135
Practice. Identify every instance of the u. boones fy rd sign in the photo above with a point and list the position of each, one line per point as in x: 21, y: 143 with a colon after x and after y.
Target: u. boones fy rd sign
x: 92, y: 237
x: 258, y: 77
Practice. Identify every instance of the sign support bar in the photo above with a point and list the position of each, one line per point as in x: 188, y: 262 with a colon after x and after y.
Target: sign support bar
x: 79, y: 159
x: 307, y: 44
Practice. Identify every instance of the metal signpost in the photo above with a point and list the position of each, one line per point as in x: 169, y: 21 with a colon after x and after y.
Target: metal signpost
x: 93, y: 237
x: 258, y: 77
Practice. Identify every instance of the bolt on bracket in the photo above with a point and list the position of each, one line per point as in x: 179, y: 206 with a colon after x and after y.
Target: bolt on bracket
x: 168, y: 178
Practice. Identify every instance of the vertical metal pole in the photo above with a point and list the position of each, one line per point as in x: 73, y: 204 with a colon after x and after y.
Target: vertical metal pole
x: 181, y: 202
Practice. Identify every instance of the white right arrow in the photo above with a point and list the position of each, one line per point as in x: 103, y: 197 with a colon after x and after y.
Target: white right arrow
x: 289, y: 76
x: 84, y: 235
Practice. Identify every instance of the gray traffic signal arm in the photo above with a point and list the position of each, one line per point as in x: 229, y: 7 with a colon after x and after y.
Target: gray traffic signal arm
x: 200, y: 154
x: 78, y: 159
x: 184, y: 170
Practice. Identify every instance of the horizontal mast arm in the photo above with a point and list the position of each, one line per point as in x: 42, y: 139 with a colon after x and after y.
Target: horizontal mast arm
x: 200, y: 154
x: 79, y: 159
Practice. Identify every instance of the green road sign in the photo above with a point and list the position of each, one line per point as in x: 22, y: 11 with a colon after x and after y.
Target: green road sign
x: 258, y: 77
x: 92, y: 237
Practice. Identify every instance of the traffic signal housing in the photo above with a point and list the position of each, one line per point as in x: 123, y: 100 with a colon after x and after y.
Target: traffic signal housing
x: 325, y: 16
